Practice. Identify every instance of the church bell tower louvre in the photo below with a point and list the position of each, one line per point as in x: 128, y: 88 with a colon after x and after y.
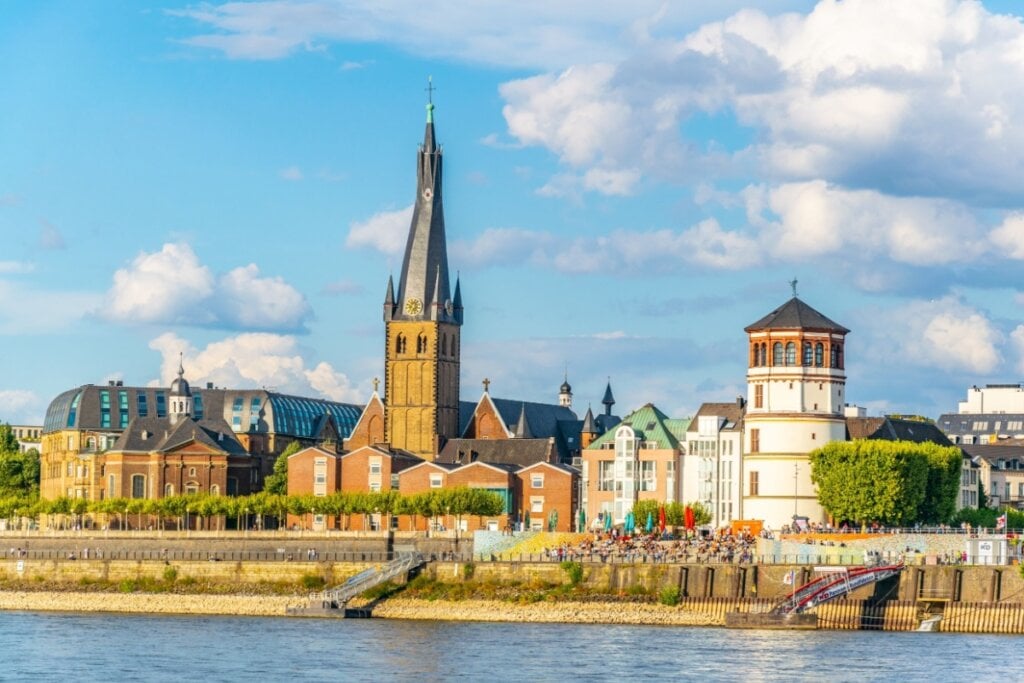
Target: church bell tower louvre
x: 423, y: 322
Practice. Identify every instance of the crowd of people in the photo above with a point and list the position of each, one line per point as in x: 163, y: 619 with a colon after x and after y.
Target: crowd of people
x: 615, y: 546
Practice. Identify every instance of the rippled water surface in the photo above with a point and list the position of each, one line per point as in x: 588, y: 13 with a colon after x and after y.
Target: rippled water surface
x: 87, y: 647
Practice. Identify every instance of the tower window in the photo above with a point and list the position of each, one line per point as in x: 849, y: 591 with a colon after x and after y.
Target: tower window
x: 808, y: 353
x: 819, y: 354
x: 400, y: 344
x: 777, y: 353
x: 421, y: 344
x: 791, y: 353
x: 759, y: 396
x: 755, y: 440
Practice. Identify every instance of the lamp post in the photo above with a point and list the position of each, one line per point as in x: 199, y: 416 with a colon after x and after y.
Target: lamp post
x: 796, y: 475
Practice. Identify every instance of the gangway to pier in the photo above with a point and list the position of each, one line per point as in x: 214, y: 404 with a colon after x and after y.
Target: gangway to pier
x: 833, y: 583
x: 337, y: 597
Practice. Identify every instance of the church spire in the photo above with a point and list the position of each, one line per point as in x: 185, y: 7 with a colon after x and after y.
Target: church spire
x: 424, y: 281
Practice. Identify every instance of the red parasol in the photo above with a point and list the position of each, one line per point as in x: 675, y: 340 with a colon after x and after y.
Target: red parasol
x: 661, y: 519
x: 688, y: 517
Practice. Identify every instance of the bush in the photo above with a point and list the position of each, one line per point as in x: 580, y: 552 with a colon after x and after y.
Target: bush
x: 312, y: 582
x: 574, y: 570
x: 380, y: 591
x: 128, y: 586
x: 468, y: 570
x: 669, y: 596
x: 170, y: 574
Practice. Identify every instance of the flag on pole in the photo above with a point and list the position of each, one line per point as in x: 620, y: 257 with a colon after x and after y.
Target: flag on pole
x: 1001, y: 521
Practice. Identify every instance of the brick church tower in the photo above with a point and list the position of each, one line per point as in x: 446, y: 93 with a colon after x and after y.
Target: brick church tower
x: 423, y: 322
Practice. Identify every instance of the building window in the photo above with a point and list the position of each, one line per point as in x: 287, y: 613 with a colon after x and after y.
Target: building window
x: 435, y: 481
x: 808, y: 353
x: 168, y: 490
x: 400, y: 344
x: 138, y: 486
x: 537, y: 504
x: 421, y: 344
x: 777, y: 353
x: 197, y: 407
x: 394, y: 482
x: 759, y: 396
x: 375, y: 466
x: 605, y: 475
x: 648, y: 476
x: 110, y: 486
x: 537, y: 481
x: 755, y: 487
x: 71, y: 469
x: 755, y: 440
x: 791, y: 353
x: 375, y: 486
x: 161, y: 404
x: 142, y: 407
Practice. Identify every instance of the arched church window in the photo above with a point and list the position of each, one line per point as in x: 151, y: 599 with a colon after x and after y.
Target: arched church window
x: 819, y: 354
x: 834, y: 356
x: 400, y: 344
x: 764, y: 353
x: 755, y: 356
x: 777, y: 353
x: 839, y: 356
x: 421, y: 344
x: 808, y: 353
x: 791, y: 353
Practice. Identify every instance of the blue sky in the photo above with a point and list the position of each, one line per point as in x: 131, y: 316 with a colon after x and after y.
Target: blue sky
x: 627, y: 186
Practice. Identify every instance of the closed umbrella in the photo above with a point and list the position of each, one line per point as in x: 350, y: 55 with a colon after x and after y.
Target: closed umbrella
x: 661, y: 519
x: 526, y: 523
x: 581, y: 520
x: 649, y: 527
x: 608, y: 521
x: 688, y: 518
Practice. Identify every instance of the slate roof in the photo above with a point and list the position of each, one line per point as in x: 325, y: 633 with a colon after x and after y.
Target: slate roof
x: 544, y: 419
x: 992, y: 453
x: 649, y: 424
x: 518, y: 452
x: 149, y: 434
x: 732, y: 412
x: 795, y: 314
x: 894, y: 429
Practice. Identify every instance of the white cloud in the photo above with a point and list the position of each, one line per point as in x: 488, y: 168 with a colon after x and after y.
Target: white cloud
x: 916, y: 98
x: 172, y: 286
x: 1017, y: 337
x: 20, y: 406
x: 386, y: 231
x: 498, y: 246
x: 16, y: 267
x: 945, y: 334
x: 292, y: 173
x: 1008, y: 237
x: 528, y: 33
x: 253, y: 359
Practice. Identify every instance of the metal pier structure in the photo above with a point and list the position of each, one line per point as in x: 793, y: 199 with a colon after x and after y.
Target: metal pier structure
x: 334, y: 601
x: 793, y: 611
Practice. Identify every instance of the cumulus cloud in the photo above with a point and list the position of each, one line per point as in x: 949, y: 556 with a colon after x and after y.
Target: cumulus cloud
x: 501, y: 246
x: 171, y: 286
x: 385, y: 231
x: 914, y: 99
x: 945, y: 334
x: 253, y: 359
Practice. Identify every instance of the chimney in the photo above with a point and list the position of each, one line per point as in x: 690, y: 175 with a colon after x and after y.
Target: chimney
x: 209, y: 385
x: 110, y: 383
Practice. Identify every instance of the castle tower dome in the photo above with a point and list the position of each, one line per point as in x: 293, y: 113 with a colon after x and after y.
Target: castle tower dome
x: 180, y: 396
x: 565, y: 392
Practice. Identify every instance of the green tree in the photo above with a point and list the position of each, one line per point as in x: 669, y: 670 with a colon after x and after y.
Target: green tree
x: 277, y: 483
x: 869, y: 480
x: 19, y: 472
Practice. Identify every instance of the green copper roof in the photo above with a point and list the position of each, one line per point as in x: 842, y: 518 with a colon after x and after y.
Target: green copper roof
x: 649, y: 424
x: 430, y: 112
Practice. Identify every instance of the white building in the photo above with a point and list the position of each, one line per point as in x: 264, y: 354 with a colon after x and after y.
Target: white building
x: 712, y: 461
x: 795, y: 395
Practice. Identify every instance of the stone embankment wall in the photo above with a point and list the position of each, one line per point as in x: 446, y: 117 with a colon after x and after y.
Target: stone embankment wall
x: 145, y: 603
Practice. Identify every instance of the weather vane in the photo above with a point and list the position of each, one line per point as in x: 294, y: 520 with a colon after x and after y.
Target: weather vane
x: 792, y: 283
x: 430, y: 89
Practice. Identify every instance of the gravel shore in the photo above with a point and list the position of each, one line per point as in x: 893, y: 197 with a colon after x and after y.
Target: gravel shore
x: 395, y: 608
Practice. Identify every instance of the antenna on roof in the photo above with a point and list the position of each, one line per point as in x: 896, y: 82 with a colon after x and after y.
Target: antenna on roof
x: 792, y: 283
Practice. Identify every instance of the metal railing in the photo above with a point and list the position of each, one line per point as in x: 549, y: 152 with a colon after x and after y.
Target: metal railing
x: 335, y: 598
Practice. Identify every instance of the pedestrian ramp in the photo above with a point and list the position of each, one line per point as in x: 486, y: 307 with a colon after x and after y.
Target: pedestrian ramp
x: 333, y: 601
x: 833, y: 583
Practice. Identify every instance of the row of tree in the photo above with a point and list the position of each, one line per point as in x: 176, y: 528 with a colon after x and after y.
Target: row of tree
x: 19, y: 472
x: 675, y: 513
x: 894, y: 483
x: 176, y: 511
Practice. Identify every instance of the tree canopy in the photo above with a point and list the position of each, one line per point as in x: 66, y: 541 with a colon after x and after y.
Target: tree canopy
x: 19, y: 472
x: 891, y: 482
x: 277, y: 483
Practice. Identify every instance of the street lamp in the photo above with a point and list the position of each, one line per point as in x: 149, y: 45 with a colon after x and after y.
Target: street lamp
x: 796, y: 475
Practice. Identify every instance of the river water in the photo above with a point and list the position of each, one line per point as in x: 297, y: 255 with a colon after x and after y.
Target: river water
x: 93, y: 647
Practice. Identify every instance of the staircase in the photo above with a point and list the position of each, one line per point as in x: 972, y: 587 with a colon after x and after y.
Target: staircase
x: 333, y: 600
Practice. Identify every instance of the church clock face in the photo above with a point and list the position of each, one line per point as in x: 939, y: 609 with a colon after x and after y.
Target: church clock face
x: 413, y: 306
x: 427, y: 193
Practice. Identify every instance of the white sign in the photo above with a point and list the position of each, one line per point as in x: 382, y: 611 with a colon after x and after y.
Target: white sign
x: 20, y: 567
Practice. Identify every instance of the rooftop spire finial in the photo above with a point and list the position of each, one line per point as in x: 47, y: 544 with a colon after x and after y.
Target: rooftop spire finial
x: 792, y: 283
x: 430, y: 99
x: 181, y: 366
